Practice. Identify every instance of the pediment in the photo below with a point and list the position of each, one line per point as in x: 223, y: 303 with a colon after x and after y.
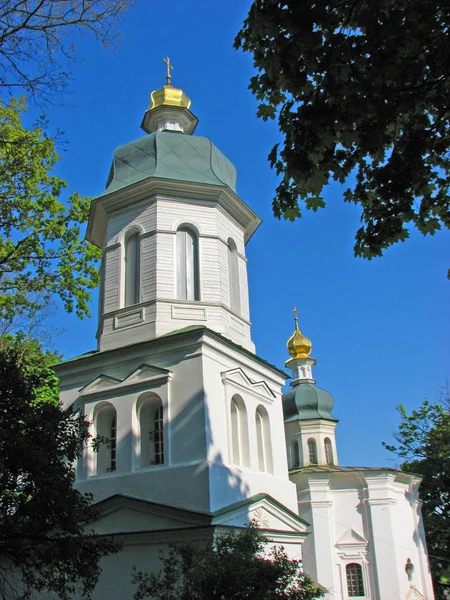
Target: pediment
x: 122, y: 514
x: 268, y: 513
x: 242, y: 380
x: 101, y: 383
x: 143, y: 374
x: 351, y: 538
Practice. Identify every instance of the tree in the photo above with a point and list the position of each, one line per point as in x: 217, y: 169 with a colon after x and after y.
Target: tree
x: 41, y: 252
x: 359, y: 87
x: 423, y: 441
x: 37, y: 40
x: 43, y: 542
x: 233, y: 567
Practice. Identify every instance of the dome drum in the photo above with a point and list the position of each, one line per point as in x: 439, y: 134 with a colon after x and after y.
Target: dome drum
x: 156, y: 119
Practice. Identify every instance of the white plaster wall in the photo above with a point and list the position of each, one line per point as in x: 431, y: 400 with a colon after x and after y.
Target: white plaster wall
x: 197, y: 473
x: 379, y: 506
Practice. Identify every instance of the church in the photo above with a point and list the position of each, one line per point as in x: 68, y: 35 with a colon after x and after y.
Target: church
x: 201, y: 435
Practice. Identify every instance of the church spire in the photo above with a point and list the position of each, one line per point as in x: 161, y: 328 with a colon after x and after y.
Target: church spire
x: 299, y: 347
x: 169, y: 108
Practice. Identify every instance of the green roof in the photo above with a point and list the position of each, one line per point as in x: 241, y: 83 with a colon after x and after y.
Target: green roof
x: 305, y: 402
x: 182, y: 331
x: 170, y: 155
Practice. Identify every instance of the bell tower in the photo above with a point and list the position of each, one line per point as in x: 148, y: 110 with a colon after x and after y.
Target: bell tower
x: 309, y: 424
x: 173, y: 233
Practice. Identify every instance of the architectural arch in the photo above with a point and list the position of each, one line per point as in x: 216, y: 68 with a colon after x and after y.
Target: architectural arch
x: 355, y: 582
x: 295, y: 454
x: 150, y: 430
x: 105, y: 424
x: 328, y: 451
x: 263, y: 439
x: 312, y: 451
x: 187, y: 263
x: 240, y: 448
x: 233, y: 276
x: 132, y: 267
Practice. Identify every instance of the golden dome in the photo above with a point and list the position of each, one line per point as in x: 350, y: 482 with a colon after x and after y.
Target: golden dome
x: 299, y: 346
x: 169, y: 96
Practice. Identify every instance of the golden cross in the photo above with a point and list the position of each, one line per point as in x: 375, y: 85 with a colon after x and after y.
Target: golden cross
x: 294, y: 310
x: 169, y: 66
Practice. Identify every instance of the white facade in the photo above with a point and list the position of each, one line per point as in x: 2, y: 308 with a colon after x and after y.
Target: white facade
x: 365, y: 517
x: 197, y: 435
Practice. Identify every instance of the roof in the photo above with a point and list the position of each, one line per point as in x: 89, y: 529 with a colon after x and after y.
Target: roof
x: 338, y: 469
x: 306, y: 402
x: 177, y: 332
x: 170, y: 155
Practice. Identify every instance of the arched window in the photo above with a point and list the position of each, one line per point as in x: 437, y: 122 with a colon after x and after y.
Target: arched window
x: 263, y: 440
x: 132, y: 269
x: 106, y: 429
x: 295, y: 455
x: 150, y: 450
x: 187, y: 265
x: 233, y: 276
x: 239, y: 432
x: 312, y: 451
x: 328, y: 451
x: 355, y: 584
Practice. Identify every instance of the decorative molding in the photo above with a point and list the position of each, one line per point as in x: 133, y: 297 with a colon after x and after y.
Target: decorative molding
x: 145, y: 375
x: 128, y: 319
x: 189, y: 312
x: 351, y: 538
x: 239, y: 379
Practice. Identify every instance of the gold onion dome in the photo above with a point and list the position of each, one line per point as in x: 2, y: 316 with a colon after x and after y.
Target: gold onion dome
x: 169, y: 95
x: 299, y: 346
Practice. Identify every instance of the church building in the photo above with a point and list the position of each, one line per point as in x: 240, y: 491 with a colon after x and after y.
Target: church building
x: 201, y: 436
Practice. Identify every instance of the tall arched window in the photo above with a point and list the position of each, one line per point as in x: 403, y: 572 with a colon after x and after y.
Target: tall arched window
x: 233, y: 276
x: 187, y: 270
x: 355, y: 583
x: 312, y: 451
x: 295, y: 455
x: 106, y: 429
x: 263, y: 440
x: 132, y: 269
x: 150, y: 450
x: 239, y: 432
x: 328, y: 451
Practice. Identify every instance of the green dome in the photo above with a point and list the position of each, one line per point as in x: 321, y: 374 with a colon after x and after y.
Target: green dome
x: 305, y: 401
x: 170, y: 155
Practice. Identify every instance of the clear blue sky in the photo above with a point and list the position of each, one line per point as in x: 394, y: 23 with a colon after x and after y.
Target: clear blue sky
x: 379, y: 329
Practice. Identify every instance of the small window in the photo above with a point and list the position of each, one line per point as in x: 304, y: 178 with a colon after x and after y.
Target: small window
x: 187, y: 265
x: 328, y: 451
x: 295, y: 455
x: 106, y: 429
x: 132, y: 269
x: 312, y: 451
x: 355, y: 584
x: 151, y: 430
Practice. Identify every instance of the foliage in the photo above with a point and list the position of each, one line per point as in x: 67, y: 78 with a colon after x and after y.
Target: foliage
x: 41, y: 515
x: 37, y: 40
x: 233, y: 567
x: 423, y: 441
x: 359, y: 87
x: 34, y: 361
x: 41, y: 252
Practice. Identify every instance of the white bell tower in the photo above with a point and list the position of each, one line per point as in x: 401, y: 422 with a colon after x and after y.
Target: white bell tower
x: 173, y: 233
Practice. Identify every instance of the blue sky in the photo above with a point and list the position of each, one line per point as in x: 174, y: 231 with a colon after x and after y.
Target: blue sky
x: 379, y: 329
